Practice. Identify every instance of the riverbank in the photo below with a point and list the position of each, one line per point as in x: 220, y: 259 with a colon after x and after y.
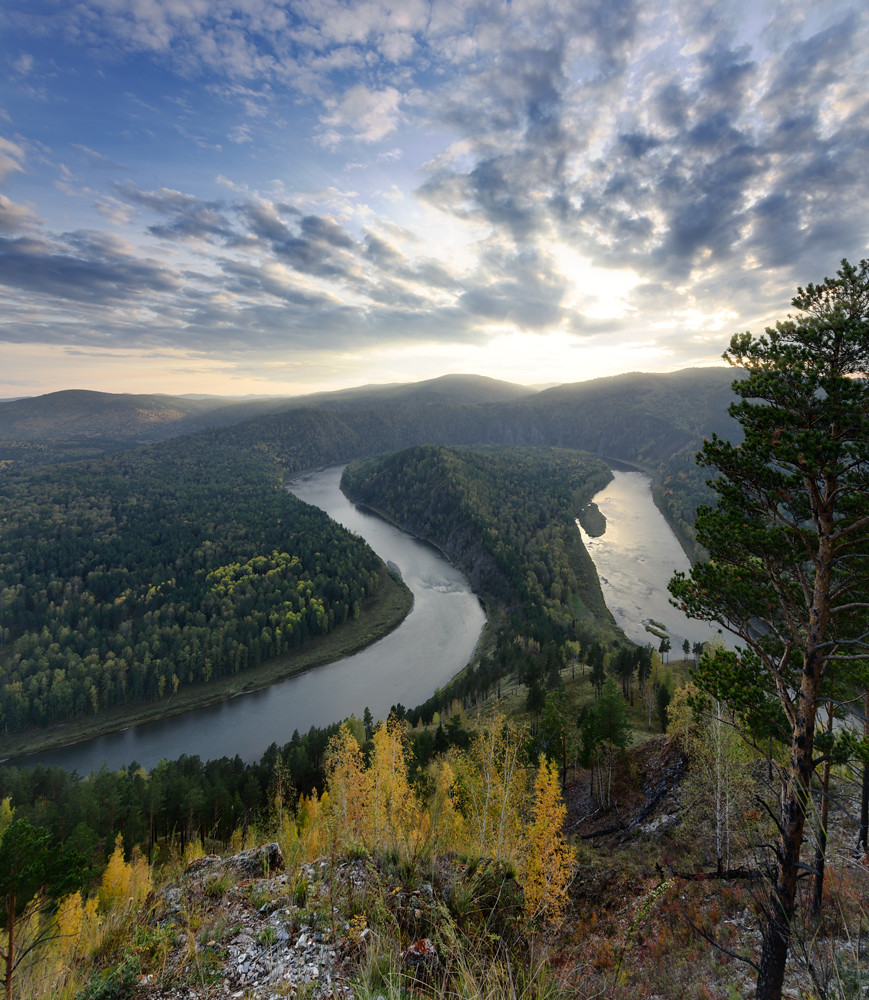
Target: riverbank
x: 382, y: 615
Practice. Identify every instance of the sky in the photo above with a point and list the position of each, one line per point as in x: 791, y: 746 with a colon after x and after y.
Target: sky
x: 261, y: 197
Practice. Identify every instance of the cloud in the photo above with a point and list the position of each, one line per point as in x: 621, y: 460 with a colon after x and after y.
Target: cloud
x: 87, y: 268
x: 97, y: 160
x: 362, y: 114
x: 717, y: 158
x: 191, y: 218
x: 14, y: 217
x: 11, y: 158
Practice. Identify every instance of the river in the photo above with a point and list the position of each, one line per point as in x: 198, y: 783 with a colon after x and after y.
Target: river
x: 433, y: 643
x: 635, y: 559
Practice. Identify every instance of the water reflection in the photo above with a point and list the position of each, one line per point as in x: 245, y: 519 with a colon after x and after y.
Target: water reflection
x: 433, y: 643
x: 635, y: 559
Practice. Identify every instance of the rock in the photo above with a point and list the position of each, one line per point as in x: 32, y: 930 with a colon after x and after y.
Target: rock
x: 259, y: 862
x: 421, y: 958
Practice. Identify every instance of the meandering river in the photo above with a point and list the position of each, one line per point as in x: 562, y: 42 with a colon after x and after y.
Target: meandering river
x: 433, y: 643
x: 635, y: 559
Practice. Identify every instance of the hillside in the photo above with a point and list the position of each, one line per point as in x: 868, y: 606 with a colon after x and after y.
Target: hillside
x: 656, y: 422
x: 454, y: 880
x: 77, y: 423
x: 133, y: 578
x: 505, y: 516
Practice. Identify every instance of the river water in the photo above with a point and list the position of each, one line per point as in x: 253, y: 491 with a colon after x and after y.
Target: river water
x: 635, y: 559
x: 434, y: 642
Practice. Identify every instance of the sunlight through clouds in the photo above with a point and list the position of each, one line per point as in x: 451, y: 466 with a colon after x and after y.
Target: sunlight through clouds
x: 534, y: 191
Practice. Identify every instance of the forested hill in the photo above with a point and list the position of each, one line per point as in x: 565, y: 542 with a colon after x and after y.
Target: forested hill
x: 127, y: 578
x: 506, y: 517
x: 655, y: 421
x: 76, y: 423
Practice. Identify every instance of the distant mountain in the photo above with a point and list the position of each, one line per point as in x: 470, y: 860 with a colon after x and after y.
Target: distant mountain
x: 445, y: 389
x: 655, y: 421
x: 97, y: 421
x: 81, y: 413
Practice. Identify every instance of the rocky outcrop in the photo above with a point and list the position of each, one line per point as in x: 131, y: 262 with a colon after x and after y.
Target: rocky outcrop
x: 243, y: 927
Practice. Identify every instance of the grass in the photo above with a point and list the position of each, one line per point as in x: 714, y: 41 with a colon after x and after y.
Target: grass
x: 381, y: 615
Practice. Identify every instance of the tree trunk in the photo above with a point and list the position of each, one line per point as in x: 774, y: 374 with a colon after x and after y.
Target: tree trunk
x: 821, y: 846
x: 864, y: 810
x: 782, y: 902
x: 10, y: 949
x: 783, y: 894
x: 864, y: 797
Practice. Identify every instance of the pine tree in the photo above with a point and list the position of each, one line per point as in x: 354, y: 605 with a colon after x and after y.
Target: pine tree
x: 32, y: 871
x: 787, y: 545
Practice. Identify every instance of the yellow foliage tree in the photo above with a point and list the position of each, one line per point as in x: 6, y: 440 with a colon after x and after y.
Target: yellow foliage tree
x: 494, y: 790
x: 393, y: 807
x: 444, y: 817
x: 312, y: 832
x: 548, y: 863
x: 348, y: 787
x: 70, y: 920
x: 123, y: 881
x: 7, y: 814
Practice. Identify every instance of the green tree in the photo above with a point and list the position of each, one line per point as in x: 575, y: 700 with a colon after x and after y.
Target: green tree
x: 784, y: 541
x: 597, y: 662
x: 558, y: 729
x: 604, y: 729
x: 31, y: 869
x: 662, y: 701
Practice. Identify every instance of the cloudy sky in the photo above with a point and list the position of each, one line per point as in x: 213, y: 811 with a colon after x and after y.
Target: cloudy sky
x: 279, y: 196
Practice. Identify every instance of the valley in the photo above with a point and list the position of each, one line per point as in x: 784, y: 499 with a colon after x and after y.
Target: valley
x: 139, y: 581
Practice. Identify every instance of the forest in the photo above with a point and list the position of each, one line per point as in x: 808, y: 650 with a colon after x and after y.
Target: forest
x: 507, y: 518
x: 128, y: 577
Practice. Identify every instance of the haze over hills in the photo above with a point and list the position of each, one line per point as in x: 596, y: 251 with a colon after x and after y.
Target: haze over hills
x: 84, y: 413
x: 654, y: 421
x: 675, y: 405
x: 133, y: 418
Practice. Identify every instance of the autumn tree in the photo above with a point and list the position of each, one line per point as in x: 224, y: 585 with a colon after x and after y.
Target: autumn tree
x: 548, y: 863
x: 718, y: 786
x: 124, y: 882
x: 492, y: 788
x: 392, y: 809
x: 787, y: 543
x: 349, y: 786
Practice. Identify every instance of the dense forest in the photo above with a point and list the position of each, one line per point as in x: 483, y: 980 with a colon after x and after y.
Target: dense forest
x: 126, y: 577
x: 507, y: 518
